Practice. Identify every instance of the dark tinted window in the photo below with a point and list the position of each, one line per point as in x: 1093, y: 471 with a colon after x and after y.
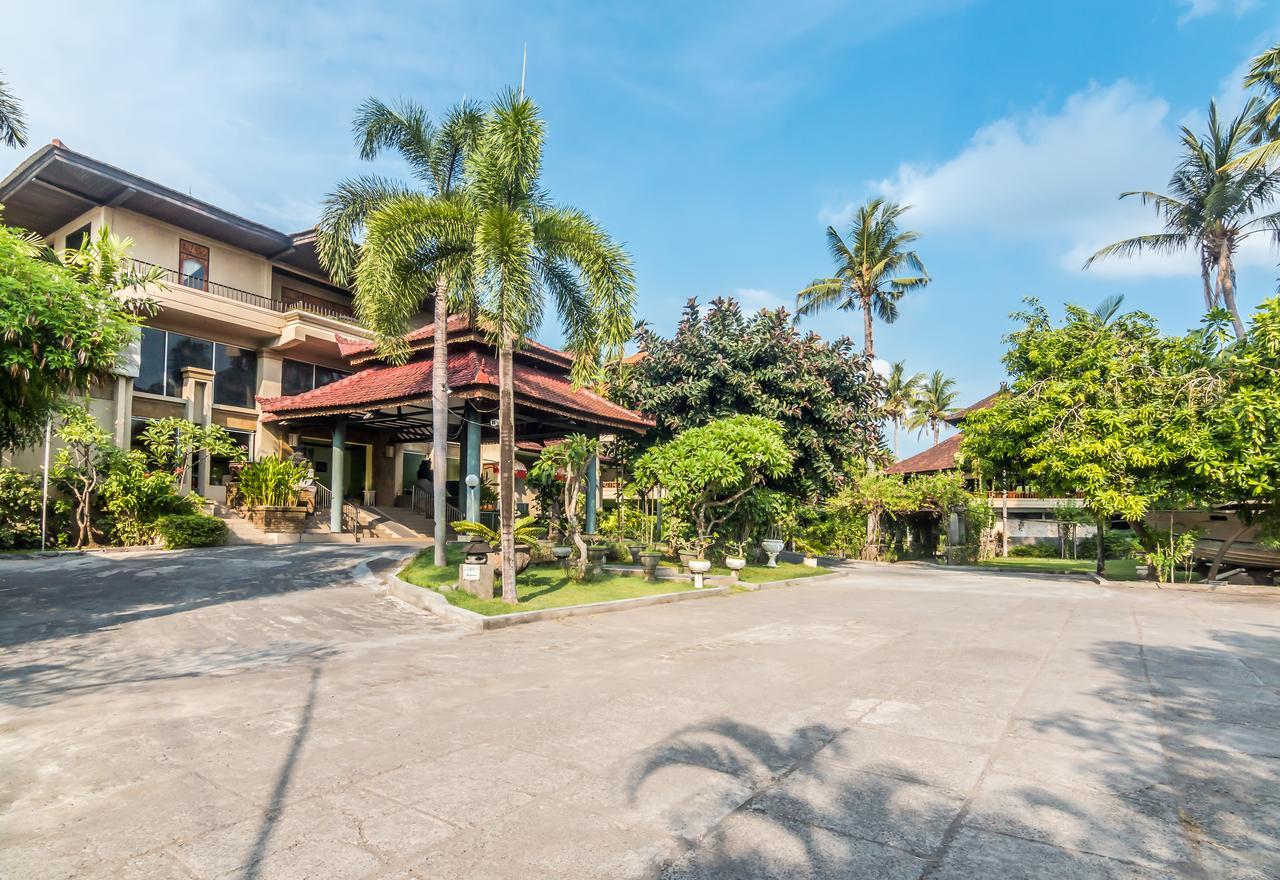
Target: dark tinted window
x: 151, y: 374
x: 325, y: 375
x: 76, y: 240
x: 296, y: 377
x: 237, y: 370
x: 186, y: 351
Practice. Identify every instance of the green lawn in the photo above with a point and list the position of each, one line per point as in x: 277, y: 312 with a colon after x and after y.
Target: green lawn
x: 538, y: 587
x: 762, y: 574
x: 1117, y: 569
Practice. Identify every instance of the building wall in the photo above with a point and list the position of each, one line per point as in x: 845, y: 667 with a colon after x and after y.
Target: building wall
x: 157, y: 242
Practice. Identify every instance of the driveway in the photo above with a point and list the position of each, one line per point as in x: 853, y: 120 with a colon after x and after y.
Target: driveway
x: 261, y: 713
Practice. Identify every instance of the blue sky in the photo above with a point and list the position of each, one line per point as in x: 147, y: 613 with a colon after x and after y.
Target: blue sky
x: 716, y: 140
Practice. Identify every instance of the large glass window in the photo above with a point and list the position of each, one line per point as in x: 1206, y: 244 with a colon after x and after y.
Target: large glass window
x: 237, y: 375
x: 165, y: 355
x: 219, y: 467
x: 298, y: 376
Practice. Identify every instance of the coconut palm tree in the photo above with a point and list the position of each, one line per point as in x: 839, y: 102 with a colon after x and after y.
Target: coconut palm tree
x: 13, y: 124
x: 871, y: 270
x: 936, y: 397
x: 510, y: 249
x: 1212, y: 206
x: 900, y: 392
x: 1264, y: 74
x: 437, y: 157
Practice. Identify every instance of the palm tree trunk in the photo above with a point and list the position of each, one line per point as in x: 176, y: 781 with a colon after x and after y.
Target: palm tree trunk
x: 440, y: 419
x: 895, y: 439
x: 1227, y: 281
x: 1209, y: 299
x: 507, y: 467
x: 868, y: 343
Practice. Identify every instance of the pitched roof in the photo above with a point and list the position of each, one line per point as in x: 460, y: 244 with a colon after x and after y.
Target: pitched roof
x: 936, y: 458
x: 423, y: 339
x: 957, y: 416
x: 469, y: 370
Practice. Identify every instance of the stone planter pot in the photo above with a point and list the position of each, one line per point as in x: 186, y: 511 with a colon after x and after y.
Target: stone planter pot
x: 811, y: 561
x: 523, y: 558
x: 287, y: 520
x: 699, y: 566
x: 686, y: 556
x: 595, y: 558
x: 649, y: 561
x: 773, y: 547
x: 561, y: 552
x: 634, y: 550
x: 734, y: 563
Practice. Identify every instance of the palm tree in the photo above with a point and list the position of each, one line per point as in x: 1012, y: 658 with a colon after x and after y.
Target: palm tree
x: 510, y: 249
x: 869, y: 269
x: 900, y: 392
x: 13, y: 124
x: 1264, y: 73
x: 1212, y: 206
x: 936, y: 398
x: 437, y: 157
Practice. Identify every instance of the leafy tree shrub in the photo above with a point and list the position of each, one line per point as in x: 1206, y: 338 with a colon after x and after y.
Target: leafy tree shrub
x: 133, y: 497
x: 191, y: 530
x: 1038, y: 550
x: 19, y: 509
x: 82, y: 465
x: 1118, y: 545
x: 273, y: 482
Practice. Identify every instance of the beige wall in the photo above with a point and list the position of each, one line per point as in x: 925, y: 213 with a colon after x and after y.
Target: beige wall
x: 157, y: 242
x: 94, y: 216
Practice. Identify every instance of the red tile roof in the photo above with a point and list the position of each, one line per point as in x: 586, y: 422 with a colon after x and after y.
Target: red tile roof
x: 936, y: 458
x: 423, y: 339
x: 955, y: 417
x: 385, y: 385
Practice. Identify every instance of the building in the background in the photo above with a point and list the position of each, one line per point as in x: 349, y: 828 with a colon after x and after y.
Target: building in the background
x: 252, y: 335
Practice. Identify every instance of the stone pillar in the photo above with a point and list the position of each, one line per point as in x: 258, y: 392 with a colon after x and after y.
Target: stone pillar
x: 593, y: 494
x: 124, y: 410
x: 197, y: 390
x: 337, y: 468
x: 472, y: 468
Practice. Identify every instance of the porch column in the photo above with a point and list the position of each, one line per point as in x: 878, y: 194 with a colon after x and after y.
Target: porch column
x: 337, y: 477
x: 471, y: 466
x: 593, y: 493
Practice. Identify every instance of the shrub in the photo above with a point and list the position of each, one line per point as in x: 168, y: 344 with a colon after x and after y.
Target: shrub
x: 1038, y: 550
x: 618, y: 552
x: 1119, y: 545
x: 272, y: 482
x: 19, y: 509
x: 134, y: 496
x: 191, y: 530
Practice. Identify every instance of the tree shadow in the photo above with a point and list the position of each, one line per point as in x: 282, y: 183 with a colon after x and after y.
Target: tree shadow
x: 1168, y: 765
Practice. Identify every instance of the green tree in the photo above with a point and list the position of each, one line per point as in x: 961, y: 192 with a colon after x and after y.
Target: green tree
x: 61, y: 330
x: 567, y: 462
x: 936, y: 397
x: 386, y: 300
x: 1212, y: 207
x: 173, y: 445
x: 721, y: 363
x: 13, y: 123
x: 1115, y: 413
x: 82, y: 464
x: 706, y: 471
x: 875, y: 268
x: 900, y: 394
x: 1263, y: 75
x: 509, y: 249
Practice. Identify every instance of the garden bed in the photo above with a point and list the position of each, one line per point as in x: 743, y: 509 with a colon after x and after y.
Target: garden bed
x: 762, y: 574
x: 1117, y: 569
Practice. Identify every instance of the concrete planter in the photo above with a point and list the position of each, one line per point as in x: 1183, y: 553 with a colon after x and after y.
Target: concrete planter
x: 649, y: 562
x: 286, y: 520
x: 773, y: 547
x: 596, y: 557
x: 634, y: 550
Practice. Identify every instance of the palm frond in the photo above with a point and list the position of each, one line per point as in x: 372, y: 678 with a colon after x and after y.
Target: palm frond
x: 13, y: 122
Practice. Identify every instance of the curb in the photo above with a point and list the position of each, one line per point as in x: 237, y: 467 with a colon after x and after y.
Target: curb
x: 430, y: 600
x: 791, y: 582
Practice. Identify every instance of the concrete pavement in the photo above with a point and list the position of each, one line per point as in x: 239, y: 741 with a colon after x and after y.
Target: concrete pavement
x: 259, y: 713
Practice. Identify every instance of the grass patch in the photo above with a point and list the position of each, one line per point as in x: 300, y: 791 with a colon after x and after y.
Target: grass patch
x: 1117, y: 569
x: 762, y: 574
x: 537, y: 588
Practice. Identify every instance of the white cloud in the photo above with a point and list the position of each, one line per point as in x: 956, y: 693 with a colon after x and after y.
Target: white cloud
x: 1051, y: 179
x: 753, y: 299
x: 1193, y: 9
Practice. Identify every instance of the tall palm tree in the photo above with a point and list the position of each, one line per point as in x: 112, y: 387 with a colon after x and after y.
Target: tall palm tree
x: 1212, y: 206
x: 870, y: 269
x: 511, y: 250
x: 437, y: 156
x: 1264, y: 74
x: 936, y: 398
x: 900, y: 392
x: 13, y: 124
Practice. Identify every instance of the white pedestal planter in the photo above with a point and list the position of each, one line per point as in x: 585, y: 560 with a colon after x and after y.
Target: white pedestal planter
x: 735, y: 565
x: 699, y: 567
x: 773, y: 547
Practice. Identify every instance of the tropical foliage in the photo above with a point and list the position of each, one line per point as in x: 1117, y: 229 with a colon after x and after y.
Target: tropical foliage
x: 874, y: 268
x: 900, y: 395
x: 273, y: 481
x: 13, y: 123
x: 191, y: 530
x: 935, y: 398
x: 20, y: 504
x: 721, y: 363
x: 566, y: 463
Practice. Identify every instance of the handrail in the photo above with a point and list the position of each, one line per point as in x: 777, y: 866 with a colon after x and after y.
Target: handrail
x: 422, y: 503
x: 349, y: 513
x: 226, y: 291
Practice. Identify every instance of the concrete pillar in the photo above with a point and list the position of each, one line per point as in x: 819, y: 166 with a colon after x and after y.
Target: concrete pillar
x: 124, y: 411
x: 593, y: 493
x: 472, y: 467
x: 337, y: 468
x: 197, y: 390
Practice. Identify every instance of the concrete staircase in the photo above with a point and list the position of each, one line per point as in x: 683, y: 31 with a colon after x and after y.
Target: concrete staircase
x: 402, y: 522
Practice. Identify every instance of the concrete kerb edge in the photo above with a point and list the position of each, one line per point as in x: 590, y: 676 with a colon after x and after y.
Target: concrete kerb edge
x: 792, y: 582
x: 432, y: 601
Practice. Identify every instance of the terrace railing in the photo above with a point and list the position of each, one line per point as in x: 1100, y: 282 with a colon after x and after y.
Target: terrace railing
x: 178, y: 279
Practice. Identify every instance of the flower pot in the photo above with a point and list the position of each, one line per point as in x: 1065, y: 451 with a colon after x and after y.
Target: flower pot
x: 686, y: 556
x: 735, y: 563
x: 278, y: 520
x: 649, y: 561
x: 561, y: 552
x: 596, y: 556
x: 773, y: 547
x: 699, y: 566
x: 634, y: 550
x: 523, y: 558
x: 811, y: 561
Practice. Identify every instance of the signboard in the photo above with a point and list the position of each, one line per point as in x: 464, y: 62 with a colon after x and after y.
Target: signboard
x: 471, y: 572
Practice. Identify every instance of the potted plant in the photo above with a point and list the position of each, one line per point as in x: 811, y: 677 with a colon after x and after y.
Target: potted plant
x: 635, y: 546
x: 649, y: 559
x: 597, y: 553
x: 270, y: 488
x: 773, y: 545
x: 736, y: 557
x: 810, y: 551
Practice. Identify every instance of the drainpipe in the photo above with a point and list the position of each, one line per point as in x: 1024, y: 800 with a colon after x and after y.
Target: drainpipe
x: 337, y: 479
x: 593, y: 483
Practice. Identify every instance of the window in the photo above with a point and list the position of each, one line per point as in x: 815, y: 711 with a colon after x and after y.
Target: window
x: 78, y: 239
x: 219, y: 467
x: 298, y: 376
x: 165, y: 355
x: 237, y: 375
x: 193, y: 264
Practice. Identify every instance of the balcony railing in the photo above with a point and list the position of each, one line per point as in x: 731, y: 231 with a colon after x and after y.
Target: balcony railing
x: 177, y: 279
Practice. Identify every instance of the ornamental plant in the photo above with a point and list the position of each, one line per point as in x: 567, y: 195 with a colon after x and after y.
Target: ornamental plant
x: 707, y: 471
x: 566, y: 464
x: 273, y: 481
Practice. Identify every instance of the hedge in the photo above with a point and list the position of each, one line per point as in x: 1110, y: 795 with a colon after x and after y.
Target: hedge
x: 191, y: 530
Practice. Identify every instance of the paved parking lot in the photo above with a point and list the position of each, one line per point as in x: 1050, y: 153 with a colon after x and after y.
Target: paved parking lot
x: 261, y: 713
